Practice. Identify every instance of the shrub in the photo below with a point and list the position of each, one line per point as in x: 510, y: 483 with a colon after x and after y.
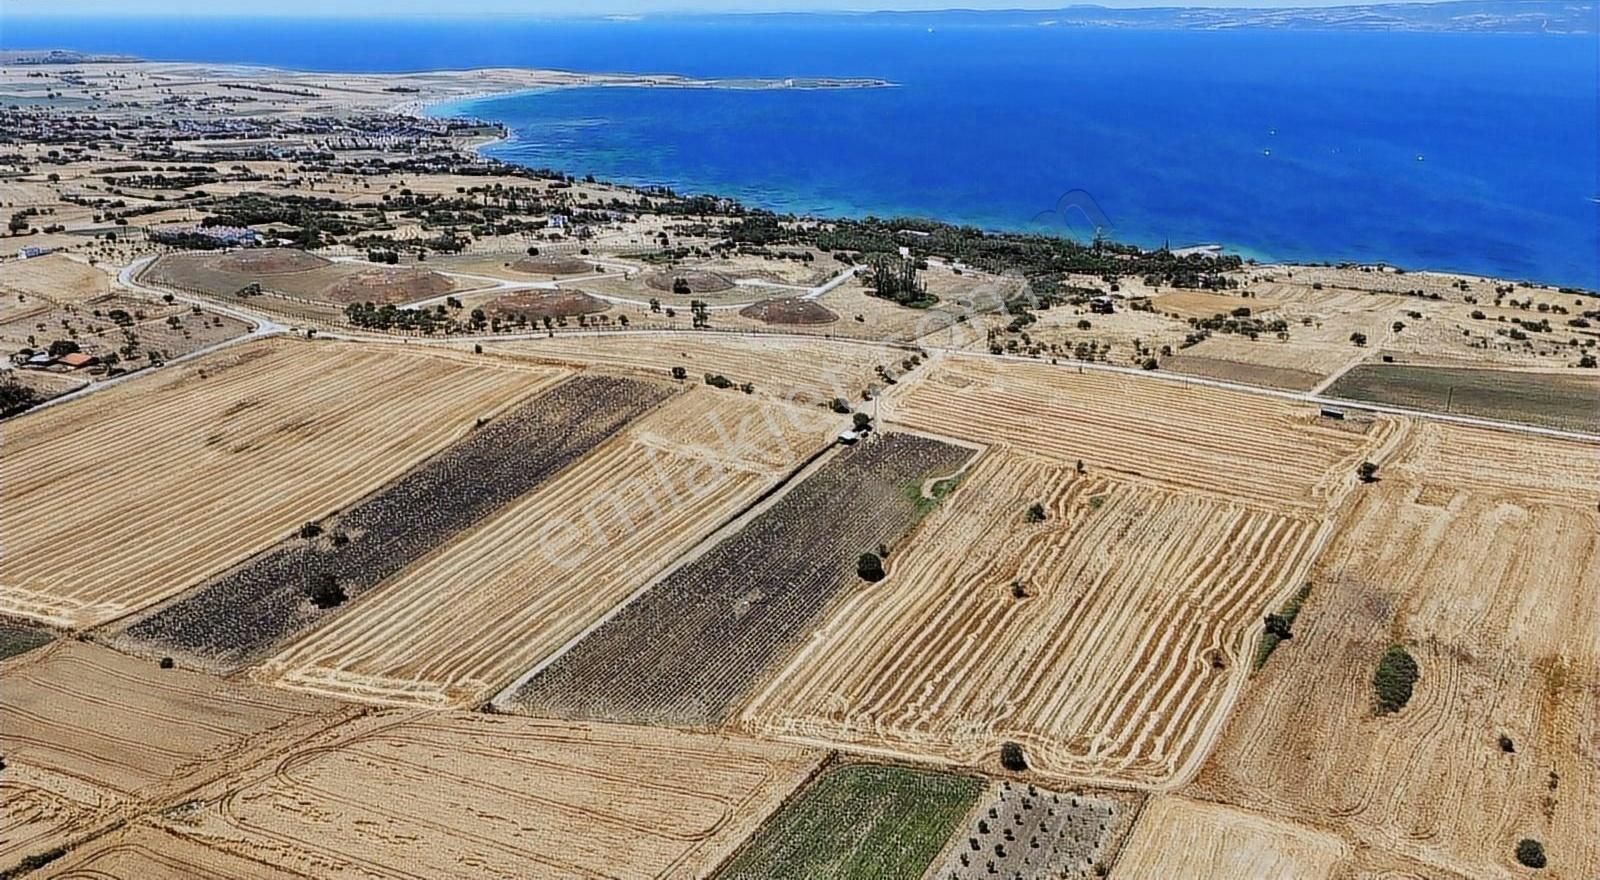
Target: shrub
x: 1279, y: 626
x: 166, y: 663
x: 1368, y: 472
x: 325, y: 591
x: 1011, y: 757
x: 1036, y: 512
x: 310, y: 530
x: 840, y: 406
x: 870, y: 567
x: 1358, y: 338
x: 718, y: 381
x: 1393, y: 680
x: 862, y: 421
x: 1530, y: 853
x: 1506, y: 745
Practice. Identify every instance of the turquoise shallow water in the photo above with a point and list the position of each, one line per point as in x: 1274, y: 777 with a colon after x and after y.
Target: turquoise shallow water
x: 1468, y: 152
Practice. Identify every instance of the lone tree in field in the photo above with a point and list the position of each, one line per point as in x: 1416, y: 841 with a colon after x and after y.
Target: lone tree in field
x: 870, y: 567
x: 1368, y: 472
x: 310, y: 530
x: 1011, y: 757
x: 325, y: 591
x: 862, y: 421
x: 1530, y: 853
x: 1393, y: 680
x: 1036, y: 512
x: 1279, y: 626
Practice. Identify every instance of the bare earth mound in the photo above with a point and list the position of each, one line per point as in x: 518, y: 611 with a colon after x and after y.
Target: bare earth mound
x: 537, y: 304
x: 698, y: 281
x: 553, y: 266
x: 388, y: 286
x: 269, y: 261
x: 789, y: 311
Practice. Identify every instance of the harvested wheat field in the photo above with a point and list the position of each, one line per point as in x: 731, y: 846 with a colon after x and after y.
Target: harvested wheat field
x: 1107, y: 640
x: 144, y: 850
x: 118, y: 500
x: 55, y: 277
x: 87, y: 732
x: 687, y: 650
x: 243, y: 615
x: 800, y: 370
x: 557, y: 560
x: 467, y: 796
x: 1179, y: 838
x: 1240, y: 446
x: 1478, y: 553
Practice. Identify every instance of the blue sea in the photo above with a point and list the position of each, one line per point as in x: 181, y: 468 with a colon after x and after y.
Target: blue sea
x: 1476, y: 153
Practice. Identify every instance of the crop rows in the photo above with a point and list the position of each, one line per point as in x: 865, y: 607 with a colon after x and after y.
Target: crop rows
x: 1102, y: 639
x: 690, y: 647
x: 235, y: 617
x: 1241, y: 445
x: 1488, y: 581
x: 556, y: 560
x: 468, y: 796
x: 133, y: 494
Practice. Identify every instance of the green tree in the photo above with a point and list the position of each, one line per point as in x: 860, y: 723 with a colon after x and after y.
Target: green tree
x: 869, y: 567
x: 1394, y: 679
x: 1530, y: 853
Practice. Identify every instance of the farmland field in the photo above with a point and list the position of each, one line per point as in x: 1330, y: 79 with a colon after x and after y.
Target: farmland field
x: 469, y: 796
x: 123, y: 498
x: 1478, y: 552
x: 556, y: 560
x: 298, y: 275
x: 687, y: 649
x: 235, y: 618
x: 803, y: 371
x: 147, y: 851
x: 1569, y: 400
x: 86, y: 731
x: 859, y: 822
x: 1176, y: 837
x: 1020, y: 830
x: 1255, y: 449
x: 1122, y: 650
x: 19, y: 639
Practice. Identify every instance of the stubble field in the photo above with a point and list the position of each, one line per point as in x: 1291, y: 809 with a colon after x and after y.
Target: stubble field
x: 1106, y: 639
x: 1478, y: 552
x: 470, y: 796
x: 236, y: 618
x: 493, y: 603
x: 121, y: 499
x: 88, y: 733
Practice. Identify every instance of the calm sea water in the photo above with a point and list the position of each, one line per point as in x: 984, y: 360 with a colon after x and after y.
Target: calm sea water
x: 1477, y: 153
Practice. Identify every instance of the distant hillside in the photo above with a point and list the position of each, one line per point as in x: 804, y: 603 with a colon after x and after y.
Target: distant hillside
x: 1456, y: 16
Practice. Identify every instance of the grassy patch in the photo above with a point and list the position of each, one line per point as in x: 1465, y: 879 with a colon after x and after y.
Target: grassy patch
x: 941, y: 491
x: 1551, y: 400
x: 859, y: 821
x: 1287, y: 614
x: 1393, y: 680
x: 16, y: 640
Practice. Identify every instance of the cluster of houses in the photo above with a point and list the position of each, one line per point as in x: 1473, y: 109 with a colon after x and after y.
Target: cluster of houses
x: 228, y: 236
x: 44, y: 360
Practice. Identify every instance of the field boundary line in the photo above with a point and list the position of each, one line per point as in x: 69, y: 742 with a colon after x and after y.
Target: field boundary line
x: 729, y: 527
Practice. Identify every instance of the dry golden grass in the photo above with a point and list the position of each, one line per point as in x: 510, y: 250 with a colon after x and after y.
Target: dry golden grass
x: 803, y: 371
x: 1179, y: 838
x: 500, y: 598
x: 1479, y: 552
x: 128, y: 496
x: 1123, y: 652
x: 1256, y: 449
x: 88, y: 734
x: 467, y: 796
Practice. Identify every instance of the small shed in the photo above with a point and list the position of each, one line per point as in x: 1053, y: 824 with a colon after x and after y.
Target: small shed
x: 1332, y: 412
x: 42, y: 359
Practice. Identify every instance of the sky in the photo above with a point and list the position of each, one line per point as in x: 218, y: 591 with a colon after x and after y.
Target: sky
x: 562, y: 7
